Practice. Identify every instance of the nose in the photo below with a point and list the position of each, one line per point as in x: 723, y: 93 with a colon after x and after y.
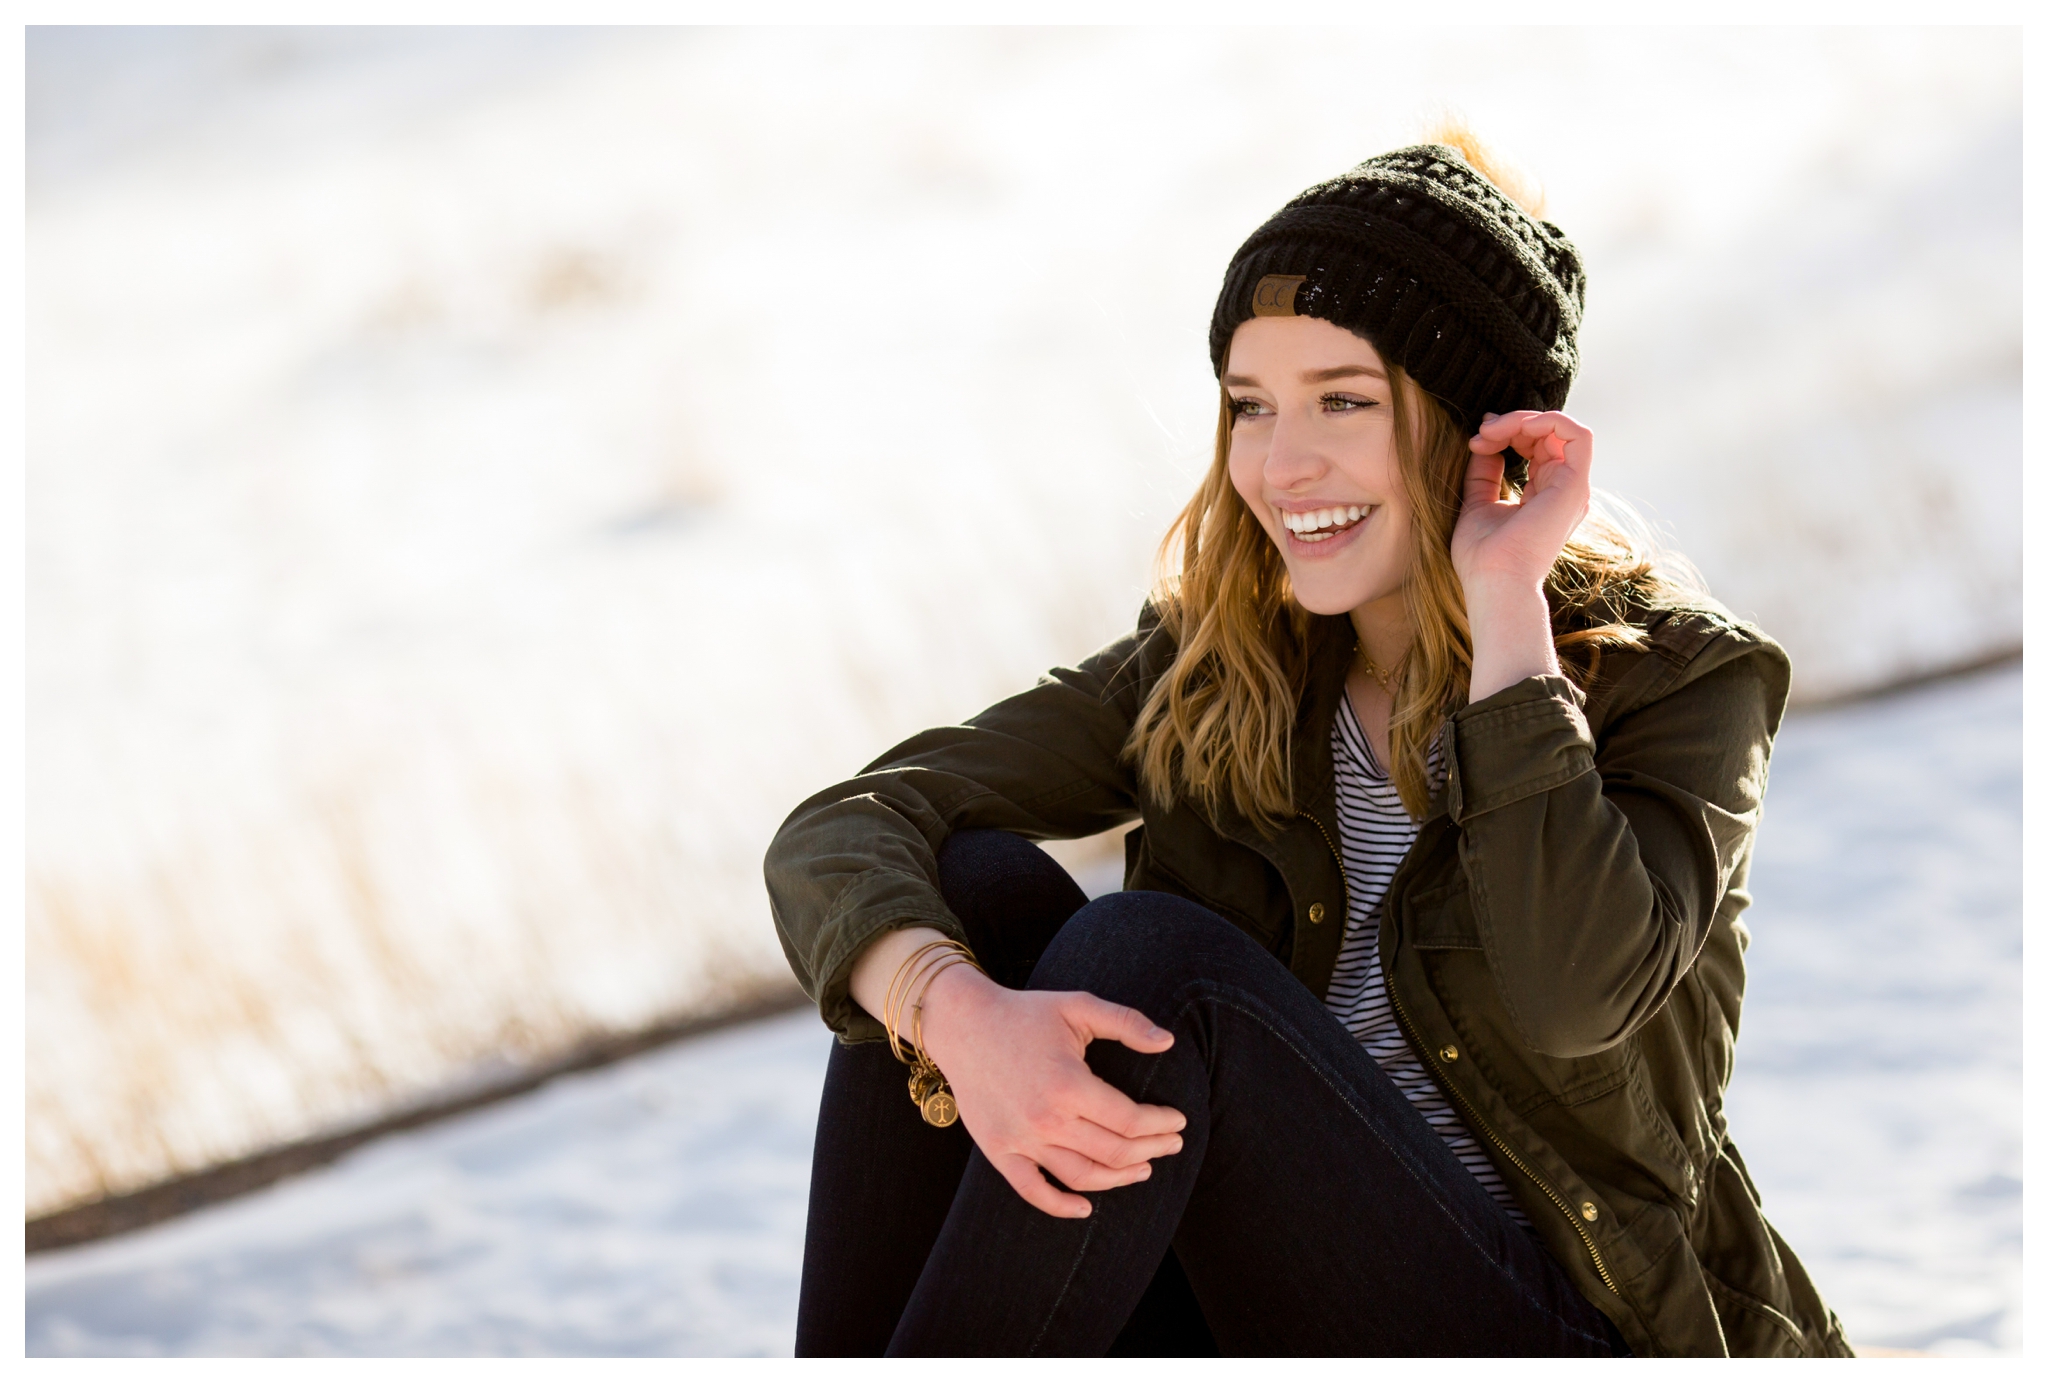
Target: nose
x: 1292, y: 457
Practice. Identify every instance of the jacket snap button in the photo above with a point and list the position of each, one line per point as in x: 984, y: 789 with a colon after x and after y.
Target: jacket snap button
x: 1589, y: 1210
x: 1449, y: 1053
x: 1315, y: 912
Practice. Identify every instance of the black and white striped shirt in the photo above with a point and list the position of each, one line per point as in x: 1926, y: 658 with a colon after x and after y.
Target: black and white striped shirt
x: 1375, y: 831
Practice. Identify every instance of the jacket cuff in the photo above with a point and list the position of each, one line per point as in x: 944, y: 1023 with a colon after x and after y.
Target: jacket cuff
x: 1522, y: 740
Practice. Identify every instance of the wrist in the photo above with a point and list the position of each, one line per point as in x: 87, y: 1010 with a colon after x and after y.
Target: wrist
x: 879, y: 963
x: 951, y: 1003
x: 1506, y: 594
x: 1511, y: 638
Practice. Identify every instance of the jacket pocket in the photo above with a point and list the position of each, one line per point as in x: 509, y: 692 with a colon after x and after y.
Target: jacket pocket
x: 1441, y: 919
x: 1753, y: 1328
x: 1576, y: 1081
x: 1217, y: 877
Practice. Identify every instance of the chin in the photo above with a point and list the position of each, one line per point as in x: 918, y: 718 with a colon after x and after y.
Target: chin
x: 1322, y: 600
x: 1319, y: 595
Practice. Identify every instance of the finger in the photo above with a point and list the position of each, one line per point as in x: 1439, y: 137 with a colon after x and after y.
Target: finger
x: 1112, y: 1149
x: 1092, y: 1098
x: 1030, y: 1183
x: 1499, y: 424
x: 1085, y: 1174
x: 1576, y: 442
x: 1099, y: 1018
x: 1563, y: 424
x: 1561, y: 461
x: 1108, y: 1108
x: 1501, y: 427
x: 1486, y: 445
x: 1573, y: 439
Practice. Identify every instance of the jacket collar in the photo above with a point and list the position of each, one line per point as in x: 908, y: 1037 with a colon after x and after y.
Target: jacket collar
x: 1330, y: 656
x: 1333, y: 645
x: 1315, y: 774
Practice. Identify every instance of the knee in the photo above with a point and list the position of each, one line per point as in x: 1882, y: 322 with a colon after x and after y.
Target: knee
x: 1137, y: 947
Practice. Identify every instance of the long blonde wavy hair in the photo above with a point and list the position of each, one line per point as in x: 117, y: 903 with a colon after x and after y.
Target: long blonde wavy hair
x: 1216, y: 727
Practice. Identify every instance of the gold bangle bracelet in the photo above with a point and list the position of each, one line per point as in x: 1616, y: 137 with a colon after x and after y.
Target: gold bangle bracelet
x: 898, y: 991
x: 928, y: 1087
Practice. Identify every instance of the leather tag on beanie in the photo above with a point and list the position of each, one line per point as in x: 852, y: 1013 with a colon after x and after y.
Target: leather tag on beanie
x: 1274, y: 297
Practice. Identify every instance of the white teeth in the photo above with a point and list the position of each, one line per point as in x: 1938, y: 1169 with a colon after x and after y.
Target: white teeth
x: 1307, y: 524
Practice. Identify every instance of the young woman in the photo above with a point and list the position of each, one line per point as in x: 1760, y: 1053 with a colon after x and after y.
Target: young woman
x: 1410, y: 1031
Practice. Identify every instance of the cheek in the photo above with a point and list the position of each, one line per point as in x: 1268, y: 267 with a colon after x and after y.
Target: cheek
x: 1247, y: 477
x: 1396, y: 544
x: 1382, y: 469
x: 1394, y: 496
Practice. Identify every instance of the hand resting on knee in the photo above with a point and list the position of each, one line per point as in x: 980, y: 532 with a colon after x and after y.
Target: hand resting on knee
x: 1016, y: 1060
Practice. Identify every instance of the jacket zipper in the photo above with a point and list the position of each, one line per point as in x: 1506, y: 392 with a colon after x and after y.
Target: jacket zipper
x: 1472, y: 1116
x: 1342, y: 874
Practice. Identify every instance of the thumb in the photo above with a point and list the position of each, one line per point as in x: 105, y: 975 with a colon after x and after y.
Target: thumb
x: 1482, y: 478
x: 1093, y: 1018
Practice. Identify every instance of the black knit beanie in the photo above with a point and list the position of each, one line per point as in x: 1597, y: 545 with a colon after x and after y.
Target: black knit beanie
x: 1421, y: 255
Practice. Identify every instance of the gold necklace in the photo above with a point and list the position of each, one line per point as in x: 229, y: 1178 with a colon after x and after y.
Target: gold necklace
x: 1374, y: 670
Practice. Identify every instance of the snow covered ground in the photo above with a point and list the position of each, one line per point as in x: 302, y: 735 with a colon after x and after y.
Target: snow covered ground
x: 657, y: 1207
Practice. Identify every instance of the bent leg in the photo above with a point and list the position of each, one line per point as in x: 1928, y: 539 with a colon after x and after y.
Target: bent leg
x: 1314, y: 1210
x: 882, y: 1180
x: 881, y: 1185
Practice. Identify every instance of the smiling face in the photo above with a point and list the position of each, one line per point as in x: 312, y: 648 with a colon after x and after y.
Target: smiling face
x: 1312, y: 454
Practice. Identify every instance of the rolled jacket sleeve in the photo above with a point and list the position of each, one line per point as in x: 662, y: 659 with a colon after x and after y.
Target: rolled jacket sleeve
x: 1524, y: 739
x: 1596, y: 867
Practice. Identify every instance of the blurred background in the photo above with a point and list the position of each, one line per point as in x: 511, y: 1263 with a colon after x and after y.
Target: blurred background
x: 480, y: 480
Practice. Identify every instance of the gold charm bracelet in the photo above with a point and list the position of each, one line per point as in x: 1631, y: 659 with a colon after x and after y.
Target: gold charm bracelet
x: 928, y: 1089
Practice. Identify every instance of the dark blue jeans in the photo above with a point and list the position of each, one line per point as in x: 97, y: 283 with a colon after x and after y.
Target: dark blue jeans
x: 1311, y: 1210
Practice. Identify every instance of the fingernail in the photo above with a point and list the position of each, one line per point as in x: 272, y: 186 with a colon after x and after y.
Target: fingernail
x: 1159, y: 1032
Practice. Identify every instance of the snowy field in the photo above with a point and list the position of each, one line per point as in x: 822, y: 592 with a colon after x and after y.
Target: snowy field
x: 478, y: 481
x: 657, y: 1207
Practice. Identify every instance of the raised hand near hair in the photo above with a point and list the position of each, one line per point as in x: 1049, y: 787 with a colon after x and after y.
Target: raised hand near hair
x: 1516, y: 540
x: 1503, y: 549
x: 1016, y: 1060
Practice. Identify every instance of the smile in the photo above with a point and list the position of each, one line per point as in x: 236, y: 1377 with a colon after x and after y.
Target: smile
x: 1321, y: 525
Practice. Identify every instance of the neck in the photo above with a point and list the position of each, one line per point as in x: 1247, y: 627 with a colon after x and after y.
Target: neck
x: 1383, y: 630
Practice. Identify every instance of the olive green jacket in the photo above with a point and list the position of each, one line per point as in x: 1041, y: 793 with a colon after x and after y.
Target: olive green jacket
x: 1562, y: 942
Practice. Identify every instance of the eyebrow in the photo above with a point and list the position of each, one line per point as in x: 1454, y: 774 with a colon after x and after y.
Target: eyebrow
x: 1313, y: 376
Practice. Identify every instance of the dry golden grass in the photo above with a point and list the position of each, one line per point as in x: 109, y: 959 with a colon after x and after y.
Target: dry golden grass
x: 247, y: 989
